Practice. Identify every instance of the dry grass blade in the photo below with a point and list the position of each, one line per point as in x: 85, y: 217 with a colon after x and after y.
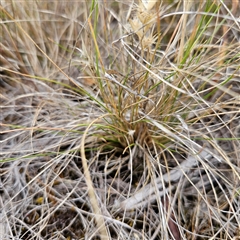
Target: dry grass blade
x: 91, y: 191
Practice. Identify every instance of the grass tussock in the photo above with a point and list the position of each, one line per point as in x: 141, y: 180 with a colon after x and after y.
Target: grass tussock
x: 120, y: 120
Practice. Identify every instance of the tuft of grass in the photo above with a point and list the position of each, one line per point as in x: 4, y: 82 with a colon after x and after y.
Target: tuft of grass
x: 120, y: 120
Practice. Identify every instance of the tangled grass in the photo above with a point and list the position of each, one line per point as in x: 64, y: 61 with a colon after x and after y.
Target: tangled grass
x: 120, y: 120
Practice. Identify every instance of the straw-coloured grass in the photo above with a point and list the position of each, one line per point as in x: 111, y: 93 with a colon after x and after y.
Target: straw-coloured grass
x: 120, y: 120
